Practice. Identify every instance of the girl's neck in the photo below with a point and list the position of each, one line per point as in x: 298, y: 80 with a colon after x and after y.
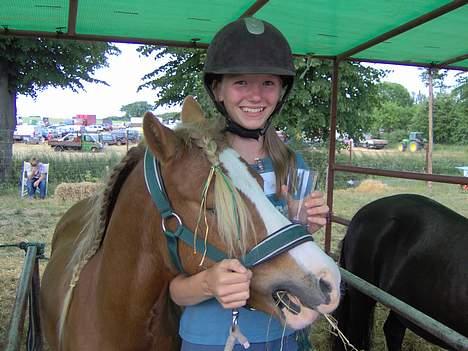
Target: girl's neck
x: 248, y: 149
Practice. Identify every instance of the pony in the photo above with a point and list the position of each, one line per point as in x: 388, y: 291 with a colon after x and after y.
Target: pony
x: 415, y: 249
x: 105, y: 286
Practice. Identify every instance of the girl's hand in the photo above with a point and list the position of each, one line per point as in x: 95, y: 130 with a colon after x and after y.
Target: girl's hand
x: 229, y: 282
x: 317, y: 211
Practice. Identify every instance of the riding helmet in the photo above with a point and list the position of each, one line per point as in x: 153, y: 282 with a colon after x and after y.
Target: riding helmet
x: 248, y: 46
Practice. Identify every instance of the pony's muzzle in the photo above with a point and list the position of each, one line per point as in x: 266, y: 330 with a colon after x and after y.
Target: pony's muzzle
x: 317, y: 293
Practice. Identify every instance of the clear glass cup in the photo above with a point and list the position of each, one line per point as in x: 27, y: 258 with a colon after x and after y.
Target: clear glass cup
x: 300, y: 183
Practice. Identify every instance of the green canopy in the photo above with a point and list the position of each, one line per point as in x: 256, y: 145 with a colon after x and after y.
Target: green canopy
x: 416, y: 32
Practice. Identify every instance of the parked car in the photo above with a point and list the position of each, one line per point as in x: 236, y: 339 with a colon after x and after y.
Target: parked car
x: 35, y: 140
x: 370, y: 142
x: 94, y: 128
x: 123, y: 136
x: 76, y: 141
x: 107, y: 139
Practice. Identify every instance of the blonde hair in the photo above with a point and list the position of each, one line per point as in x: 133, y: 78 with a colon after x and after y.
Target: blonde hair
x: 282, y: 157
x: 33, y: 161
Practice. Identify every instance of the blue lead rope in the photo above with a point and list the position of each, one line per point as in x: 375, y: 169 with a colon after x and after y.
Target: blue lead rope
x: 273, y: 245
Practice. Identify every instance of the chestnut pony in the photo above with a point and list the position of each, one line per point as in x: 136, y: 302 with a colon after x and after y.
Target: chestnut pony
x: 106, y: 284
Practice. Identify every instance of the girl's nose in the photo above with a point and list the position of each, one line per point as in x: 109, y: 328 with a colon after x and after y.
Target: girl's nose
x: 255, y: 91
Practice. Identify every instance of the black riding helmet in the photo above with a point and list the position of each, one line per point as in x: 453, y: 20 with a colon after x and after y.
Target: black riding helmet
x: 248, y: 46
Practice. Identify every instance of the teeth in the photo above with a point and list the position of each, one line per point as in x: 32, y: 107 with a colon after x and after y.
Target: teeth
x: 252, y: 110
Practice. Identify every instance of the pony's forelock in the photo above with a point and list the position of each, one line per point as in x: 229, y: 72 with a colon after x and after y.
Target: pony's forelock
x: 234, y: 222
x: 235, y: 225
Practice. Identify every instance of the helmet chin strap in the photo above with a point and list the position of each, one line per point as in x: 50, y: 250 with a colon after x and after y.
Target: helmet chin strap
x: 237, y: 129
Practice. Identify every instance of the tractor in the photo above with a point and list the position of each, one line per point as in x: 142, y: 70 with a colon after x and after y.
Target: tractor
x: 415, y: 142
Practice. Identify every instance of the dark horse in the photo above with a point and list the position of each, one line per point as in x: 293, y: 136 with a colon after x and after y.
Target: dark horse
x: 105, y: 287
x: 415, y: 249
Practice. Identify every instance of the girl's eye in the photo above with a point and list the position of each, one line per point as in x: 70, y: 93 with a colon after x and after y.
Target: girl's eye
x: 240, y: 82
x: 269, y: 83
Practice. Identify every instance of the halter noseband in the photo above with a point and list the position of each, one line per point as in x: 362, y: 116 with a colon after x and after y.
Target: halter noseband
x: 273, y: 245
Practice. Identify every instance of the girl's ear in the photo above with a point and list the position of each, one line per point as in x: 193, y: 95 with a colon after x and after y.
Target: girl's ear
x: 216, y: 88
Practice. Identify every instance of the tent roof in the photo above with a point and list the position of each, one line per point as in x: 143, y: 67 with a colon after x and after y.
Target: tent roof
x: 417, y: 32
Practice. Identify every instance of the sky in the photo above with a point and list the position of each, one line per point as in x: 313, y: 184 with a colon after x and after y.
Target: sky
x: 124, y: 75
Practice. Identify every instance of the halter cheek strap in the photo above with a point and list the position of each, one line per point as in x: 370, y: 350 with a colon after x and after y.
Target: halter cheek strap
x: 273, y: 245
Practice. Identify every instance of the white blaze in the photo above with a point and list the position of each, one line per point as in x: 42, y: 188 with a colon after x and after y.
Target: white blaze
x: 248, y: 185
x: 307, y: 255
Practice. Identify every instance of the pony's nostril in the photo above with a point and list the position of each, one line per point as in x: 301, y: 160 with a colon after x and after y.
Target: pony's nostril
x: 325, y: 288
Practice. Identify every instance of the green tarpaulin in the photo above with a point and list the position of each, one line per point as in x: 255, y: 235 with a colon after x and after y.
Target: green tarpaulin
x: 420, y: 32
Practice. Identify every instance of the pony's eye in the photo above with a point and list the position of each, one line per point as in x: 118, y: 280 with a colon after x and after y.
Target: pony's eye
x: 211, y: 211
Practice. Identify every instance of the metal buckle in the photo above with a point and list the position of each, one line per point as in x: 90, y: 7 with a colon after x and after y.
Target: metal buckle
x: 176, y: 216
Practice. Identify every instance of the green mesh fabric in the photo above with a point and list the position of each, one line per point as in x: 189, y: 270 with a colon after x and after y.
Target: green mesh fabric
x: 322, y: 28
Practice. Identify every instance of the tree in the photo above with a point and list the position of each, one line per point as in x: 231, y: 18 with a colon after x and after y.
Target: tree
x: 395, y: 109
x: 395, y: 93
x: 136, y: 109
x: 307, y: 112
x: 28, y: 66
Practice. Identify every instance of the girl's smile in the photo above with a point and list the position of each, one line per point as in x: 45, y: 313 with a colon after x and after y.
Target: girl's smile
x: 249, y: 99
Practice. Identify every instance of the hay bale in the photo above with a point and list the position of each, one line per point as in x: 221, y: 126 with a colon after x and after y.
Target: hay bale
x: 75, y: 191
x: 371, y: 186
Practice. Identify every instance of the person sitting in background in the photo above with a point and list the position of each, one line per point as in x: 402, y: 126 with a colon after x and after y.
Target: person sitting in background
x: 36, y: 179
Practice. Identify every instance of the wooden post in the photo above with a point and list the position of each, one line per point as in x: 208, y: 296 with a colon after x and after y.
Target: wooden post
x: 430, y: 131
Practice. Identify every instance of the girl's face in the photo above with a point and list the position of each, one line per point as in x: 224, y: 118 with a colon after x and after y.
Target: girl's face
x: 249, y: 99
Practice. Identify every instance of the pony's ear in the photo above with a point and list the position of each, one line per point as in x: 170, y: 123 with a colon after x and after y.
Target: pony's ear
x: 191, y: 111
x: 160, y: 139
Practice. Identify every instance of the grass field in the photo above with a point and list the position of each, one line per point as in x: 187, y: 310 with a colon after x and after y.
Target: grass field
x: 25, y: 220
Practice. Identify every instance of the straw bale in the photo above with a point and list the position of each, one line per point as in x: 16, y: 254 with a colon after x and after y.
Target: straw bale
x: 76, y: 191
x: 371, y: 186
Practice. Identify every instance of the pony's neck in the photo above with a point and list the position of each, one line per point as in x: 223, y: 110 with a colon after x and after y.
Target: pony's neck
x: 248, y: 149
x: 133, y: 247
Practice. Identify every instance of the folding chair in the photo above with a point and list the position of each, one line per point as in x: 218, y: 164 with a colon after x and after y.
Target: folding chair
x: 24, y: 178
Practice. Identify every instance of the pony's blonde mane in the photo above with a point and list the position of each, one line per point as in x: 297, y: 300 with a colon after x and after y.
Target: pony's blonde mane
x: 234, y: 222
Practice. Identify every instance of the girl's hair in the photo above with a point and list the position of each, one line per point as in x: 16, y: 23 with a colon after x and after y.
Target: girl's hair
x: 282, y: 156
x: 33, y: 161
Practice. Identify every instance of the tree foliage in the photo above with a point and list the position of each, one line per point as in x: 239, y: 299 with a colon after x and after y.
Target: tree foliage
x: 395, y: 93
x: 136, y: 109
x: 395, y: 108
x: 28, y: 66
x: 35, y: 64
x: 307, y: 112
x: 450, y: 122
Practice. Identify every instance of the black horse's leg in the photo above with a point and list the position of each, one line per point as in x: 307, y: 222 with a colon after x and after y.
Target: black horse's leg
x: 394, y: 332
x: 361, y: 308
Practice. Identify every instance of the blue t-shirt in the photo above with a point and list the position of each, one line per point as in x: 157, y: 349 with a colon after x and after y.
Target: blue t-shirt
x: 208, y: 323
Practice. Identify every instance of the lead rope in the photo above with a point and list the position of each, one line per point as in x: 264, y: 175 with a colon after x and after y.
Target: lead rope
x: 235, y: 334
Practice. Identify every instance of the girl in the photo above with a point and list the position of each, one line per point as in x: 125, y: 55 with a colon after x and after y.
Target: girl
x: 248, y: 74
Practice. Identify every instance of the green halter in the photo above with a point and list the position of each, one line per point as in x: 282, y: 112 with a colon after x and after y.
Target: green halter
x: 273, y: 245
